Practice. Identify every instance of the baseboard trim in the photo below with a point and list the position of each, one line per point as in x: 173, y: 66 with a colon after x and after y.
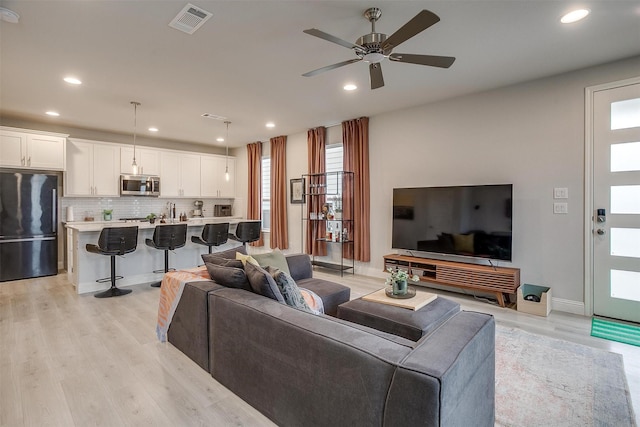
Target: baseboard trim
x: 568, y: 306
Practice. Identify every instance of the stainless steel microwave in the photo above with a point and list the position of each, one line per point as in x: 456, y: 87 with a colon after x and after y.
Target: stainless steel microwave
x: 139, y: 185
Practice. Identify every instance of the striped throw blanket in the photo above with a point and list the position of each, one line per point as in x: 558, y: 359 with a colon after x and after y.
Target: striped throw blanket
x: 170, y: 292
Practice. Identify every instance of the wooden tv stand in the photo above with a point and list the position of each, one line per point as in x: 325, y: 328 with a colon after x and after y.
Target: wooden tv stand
x: 484, y: 278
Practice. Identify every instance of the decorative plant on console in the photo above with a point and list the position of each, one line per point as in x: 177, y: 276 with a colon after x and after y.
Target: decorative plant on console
x: 398, y: 280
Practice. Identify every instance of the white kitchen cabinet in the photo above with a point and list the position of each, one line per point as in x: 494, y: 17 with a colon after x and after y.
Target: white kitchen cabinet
x: 32, y: 149
x: 213, y: 182
x: 93, y: 169
x: 148, y: 161
x: 179, y: 174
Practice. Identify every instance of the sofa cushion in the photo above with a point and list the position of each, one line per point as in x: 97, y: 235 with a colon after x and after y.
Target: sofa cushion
x: 332, y: 294
x: 275, y: 259
x: 262, y: 283
x: 231, y: 277
x: 218, y: 260
x: 231, y: 253
x: 289, y: 290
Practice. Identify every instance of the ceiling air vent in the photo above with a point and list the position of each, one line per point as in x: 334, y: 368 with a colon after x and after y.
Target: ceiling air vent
x: 190, y: 19
x: 214, y: 116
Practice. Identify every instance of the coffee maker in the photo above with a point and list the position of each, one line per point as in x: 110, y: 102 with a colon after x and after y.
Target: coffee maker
x: 197, y: 212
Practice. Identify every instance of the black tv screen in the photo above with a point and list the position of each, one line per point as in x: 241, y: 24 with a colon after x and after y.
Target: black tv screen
x: 472, y: 220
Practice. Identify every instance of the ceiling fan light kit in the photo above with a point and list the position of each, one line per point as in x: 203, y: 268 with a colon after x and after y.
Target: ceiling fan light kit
x: 374, y: 47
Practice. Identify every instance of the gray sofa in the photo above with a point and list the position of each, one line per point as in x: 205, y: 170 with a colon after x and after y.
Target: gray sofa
x: 302, y: 369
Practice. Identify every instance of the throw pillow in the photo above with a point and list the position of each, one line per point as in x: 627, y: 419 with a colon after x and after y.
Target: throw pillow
x: 274, y: 259
x: 246, y: 259
x: 289, y: 289
x: 231, y: 253
x: 228, y: 276
x: 262, y: 283
x: 217, y: 260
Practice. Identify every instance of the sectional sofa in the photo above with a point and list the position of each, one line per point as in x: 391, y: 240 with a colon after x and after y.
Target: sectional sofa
x: 316, y: 370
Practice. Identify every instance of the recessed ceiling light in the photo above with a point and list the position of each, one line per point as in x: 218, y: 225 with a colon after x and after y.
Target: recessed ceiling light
x: 52, y: 113
x: 152, y: 129
x: 350, y: 86
x: 220, y: 139
x: 270, y: 125
x: 72, y: 80
x: 574, y: 16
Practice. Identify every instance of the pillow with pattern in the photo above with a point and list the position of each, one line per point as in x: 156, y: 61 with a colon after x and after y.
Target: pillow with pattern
x: 289, y: 290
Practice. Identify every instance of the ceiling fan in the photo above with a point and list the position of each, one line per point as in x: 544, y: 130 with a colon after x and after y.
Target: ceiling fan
x: 374, y: 47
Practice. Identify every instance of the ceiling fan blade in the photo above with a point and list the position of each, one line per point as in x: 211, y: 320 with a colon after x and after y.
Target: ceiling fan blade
x: 333, y: 39
x: 375, y: 73
x: 331, y: 67
x: 419, y: 23
x: 433, y: 61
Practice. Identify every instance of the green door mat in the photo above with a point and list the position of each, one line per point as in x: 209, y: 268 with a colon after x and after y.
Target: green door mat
x: 615, y: 331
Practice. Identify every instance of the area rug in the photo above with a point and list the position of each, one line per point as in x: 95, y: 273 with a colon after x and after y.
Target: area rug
x: 542, y: 381
x: 615, y: 331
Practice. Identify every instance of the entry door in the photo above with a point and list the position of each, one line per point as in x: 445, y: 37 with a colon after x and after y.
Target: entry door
x: 616, y: 202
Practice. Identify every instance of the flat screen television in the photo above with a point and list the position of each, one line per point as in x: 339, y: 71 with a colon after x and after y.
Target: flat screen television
x: 471, y: 220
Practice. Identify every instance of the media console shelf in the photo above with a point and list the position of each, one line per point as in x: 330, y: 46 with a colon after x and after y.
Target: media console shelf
x: 496, y: 280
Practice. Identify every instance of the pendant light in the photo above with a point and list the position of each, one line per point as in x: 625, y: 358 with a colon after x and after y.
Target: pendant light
x: 134, y: 165
x: 226, y: 169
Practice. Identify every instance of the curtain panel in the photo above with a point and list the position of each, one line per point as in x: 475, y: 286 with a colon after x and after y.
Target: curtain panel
x: 355, y: 140
x: 316, y: 163
x: 279, y: 234
x: 254, y: 197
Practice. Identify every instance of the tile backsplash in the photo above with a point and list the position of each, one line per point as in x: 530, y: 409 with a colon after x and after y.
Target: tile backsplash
x: 135, y: 207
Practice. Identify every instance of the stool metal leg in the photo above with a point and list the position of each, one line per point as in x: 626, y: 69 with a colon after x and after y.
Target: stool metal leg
x: 166, y: 268
x: 113, y: 291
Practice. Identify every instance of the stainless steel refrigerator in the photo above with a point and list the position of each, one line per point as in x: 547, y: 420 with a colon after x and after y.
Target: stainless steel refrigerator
x: 28, y: 225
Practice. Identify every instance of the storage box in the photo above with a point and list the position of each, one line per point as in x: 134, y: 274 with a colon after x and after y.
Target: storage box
x: 541, y: 308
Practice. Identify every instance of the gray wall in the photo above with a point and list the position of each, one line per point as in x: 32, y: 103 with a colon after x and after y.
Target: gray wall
x: 530, y: 135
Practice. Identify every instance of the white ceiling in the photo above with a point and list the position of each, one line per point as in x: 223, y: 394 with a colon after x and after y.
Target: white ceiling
x: 246, y: 62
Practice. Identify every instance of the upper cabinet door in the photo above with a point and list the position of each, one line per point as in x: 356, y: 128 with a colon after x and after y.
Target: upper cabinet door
x: 228, y: 188
x: 13, y: 147
x: 169, y: 175
x: 46, y: 152
x: 78, y: 180
x: 106, y: 170
x: 190, y: 175
x: 213, y: 179
x: 147, y: 159
x: 32, y: 151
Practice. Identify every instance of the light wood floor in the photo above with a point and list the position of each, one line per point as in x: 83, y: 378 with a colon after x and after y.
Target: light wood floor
x: 70, y: 360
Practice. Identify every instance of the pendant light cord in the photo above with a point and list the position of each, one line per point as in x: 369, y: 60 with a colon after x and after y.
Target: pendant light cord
x: 135, y: 128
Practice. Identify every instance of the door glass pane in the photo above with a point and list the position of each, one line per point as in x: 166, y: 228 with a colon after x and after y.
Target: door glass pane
x: 625, y: 242
x: 625, y: 114
x: 625, y: 157
x: 625, y: 285
x: 625, y: 199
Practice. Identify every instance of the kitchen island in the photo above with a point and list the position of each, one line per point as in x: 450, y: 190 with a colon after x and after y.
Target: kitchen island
x: 84, y: 268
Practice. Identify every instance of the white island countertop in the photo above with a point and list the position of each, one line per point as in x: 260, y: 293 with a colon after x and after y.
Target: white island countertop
x: 137, y: 267
x: 83, y: 226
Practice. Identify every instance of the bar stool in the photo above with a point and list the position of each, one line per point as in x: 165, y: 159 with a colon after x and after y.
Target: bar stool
x: 167, y: 238
x: 212, y: 235
x: 114, y: 241
x: 247, y: 232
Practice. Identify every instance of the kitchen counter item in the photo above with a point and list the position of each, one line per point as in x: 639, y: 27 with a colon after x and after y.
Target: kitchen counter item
x: 222, y: 210
x: 197, y: 212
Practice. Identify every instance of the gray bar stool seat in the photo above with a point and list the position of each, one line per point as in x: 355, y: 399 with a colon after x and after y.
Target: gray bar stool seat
x: 167, y: 238
x: 212, y: 235
x: 247, y: 232
x: 114, y: 241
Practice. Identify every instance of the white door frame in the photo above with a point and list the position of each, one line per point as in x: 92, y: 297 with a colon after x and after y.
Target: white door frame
x: 589, y: 208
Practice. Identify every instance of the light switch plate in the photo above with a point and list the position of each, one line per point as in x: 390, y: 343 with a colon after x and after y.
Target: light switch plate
x: 560, y: 208
x: 561, y: 193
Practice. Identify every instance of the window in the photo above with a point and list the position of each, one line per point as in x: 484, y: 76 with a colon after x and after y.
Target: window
x: 266, y: 193
x: 334, y: 163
